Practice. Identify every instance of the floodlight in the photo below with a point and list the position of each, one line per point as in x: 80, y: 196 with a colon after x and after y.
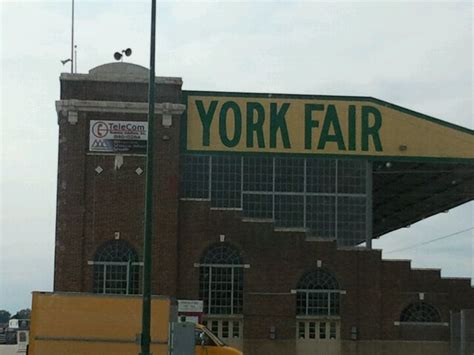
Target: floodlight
x: 117, y: 56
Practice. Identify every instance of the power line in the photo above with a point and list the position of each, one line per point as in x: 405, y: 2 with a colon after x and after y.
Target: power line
x: 431, y: 241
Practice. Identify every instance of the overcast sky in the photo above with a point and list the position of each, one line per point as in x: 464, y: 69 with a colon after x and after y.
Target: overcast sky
x: 414, y: 54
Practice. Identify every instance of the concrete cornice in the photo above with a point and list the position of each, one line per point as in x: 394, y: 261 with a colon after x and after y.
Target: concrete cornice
x: 120, y: 78
x: 70, y: 108
x: 65, y: 106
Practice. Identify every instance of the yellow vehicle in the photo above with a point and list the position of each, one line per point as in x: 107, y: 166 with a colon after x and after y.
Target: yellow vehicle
x: 83, y: 323
x: 209, y: 344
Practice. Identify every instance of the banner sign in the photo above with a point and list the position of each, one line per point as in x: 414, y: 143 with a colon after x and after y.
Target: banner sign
x: 190, y: 306
x: 318, y: 125
x: 118, y: 137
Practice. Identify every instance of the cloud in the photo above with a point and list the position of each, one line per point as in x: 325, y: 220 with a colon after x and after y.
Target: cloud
x: 382, y: 49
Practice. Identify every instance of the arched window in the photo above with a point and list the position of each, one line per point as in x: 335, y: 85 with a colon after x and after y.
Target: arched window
x: 116, y: 269
x: 221, y: 280
x: 420, y: 312
x: 317, y: 294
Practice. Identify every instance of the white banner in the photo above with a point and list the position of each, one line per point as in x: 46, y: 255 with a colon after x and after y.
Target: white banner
x: 118, y: 136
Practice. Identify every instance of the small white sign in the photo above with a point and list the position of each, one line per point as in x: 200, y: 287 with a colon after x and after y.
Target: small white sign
x: 118, y: 136
x: 191, y: 306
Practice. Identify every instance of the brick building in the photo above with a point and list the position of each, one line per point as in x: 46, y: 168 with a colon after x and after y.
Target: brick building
x: 265, y: 209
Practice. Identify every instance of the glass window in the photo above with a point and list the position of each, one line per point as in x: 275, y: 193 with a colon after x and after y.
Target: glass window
x: 351, y: 220
x: 321, y: 216
x: 301, y: 330
x: 289, y: 174
x: 195, y: 176
x: 317, y: 294
x: 324, y: 197
x: 116, y: 269
x: 226, y: 184
x: 332, y: 330
x: 351, y: 176
x: 258, y: 206
x: 289, y: 211
x: 258, y: 174
x: 221, y: 280
x: 322, y: 330
x: 320, y: 175
x: 420, y: 312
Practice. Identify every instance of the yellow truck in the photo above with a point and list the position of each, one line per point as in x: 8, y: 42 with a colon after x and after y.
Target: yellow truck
x: 83, y: 323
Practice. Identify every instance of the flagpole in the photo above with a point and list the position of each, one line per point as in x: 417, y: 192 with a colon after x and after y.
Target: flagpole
x: 146, y: 305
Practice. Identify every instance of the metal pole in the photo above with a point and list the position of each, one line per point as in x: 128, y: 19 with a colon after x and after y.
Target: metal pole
x: 368, y: 205
x: 75, y: 59
x: 146, y: 306
x: 72, y: 39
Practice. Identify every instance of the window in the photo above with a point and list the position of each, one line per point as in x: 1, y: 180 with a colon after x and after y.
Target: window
x: 221, y: 280
x: 195, y: 176
x: 226, y: 182
x: 318, y: 294
x: 326, y: 198
x: 420, y: 312
x: 116, y: 269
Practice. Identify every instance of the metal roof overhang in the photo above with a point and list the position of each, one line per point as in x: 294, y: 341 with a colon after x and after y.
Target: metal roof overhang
x: 407, y: 192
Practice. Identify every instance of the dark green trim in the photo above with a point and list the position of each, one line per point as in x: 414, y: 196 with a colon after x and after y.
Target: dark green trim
x: 330, y: 97
x: 188, y: 93
x: 333, y: 156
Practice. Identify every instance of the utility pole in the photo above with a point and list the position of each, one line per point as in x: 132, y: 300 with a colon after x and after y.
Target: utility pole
x: 146, y: 306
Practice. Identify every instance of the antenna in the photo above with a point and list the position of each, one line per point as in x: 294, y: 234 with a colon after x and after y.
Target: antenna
x: 72, y: 39
x: 75, y: 58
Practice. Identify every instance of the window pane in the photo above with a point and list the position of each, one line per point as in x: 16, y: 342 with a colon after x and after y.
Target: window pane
x: 332, y: 330
x: 235, y: 329
x: 334, y: 304
x: 312, y: 330
x: 320, y: 175
x: 258, y: 174
x: 221, y: 286
x: 321, y: 216
x: 301, y: 330
x: 194, y: 176
x: 351, y: 220
x: 289, y: 211
x: 99, y: 278
x: 318, y: 304
x: 322, y: 330
x: 301, y: 303
x: 351, y: 176
x: 226, y: 182
x: 258, y: 206
x: 116, y: 279
x: 420, y: 312
x: 289, y: 174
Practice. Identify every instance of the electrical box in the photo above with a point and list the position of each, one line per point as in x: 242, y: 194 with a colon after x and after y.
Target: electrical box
x: 181, y: 338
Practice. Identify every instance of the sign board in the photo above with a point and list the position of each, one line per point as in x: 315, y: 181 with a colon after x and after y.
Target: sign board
x: 318, y: 125
x: 129, y: 137
x: 190, y: 306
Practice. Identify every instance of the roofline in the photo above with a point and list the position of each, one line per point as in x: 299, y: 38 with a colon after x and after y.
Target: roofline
x: 120, y: 78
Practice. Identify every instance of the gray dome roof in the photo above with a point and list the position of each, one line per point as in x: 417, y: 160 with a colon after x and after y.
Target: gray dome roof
x: 128, y: 70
